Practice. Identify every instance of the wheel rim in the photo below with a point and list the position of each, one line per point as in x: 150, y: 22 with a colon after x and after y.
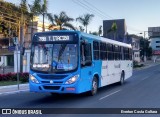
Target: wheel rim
x: 122, y: 79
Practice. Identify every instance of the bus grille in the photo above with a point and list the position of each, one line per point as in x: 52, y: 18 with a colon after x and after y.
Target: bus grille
x: 52, y: 77
x: 51, y: 87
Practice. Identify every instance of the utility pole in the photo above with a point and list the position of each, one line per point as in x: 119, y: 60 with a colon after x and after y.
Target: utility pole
x: 144, y: 48
x: 21, y: 39
x: 17, y: 65
x: 21, y: 47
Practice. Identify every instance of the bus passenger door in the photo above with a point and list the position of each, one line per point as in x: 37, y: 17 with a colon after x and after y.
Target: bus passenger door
x: 86, y: 65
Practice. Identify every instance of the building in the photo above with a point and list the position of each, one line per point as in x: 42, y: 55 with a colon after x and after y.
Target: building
x: 136, y: 48
x: 35, y: 26
x: 154, y: 35
x: 118, y: 33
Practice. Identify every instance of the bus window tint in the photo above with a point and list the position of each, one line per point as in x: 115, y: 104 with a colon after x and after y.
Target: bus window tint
x: 103, y: 51
x: 88, y: 55
x: 96, y: 50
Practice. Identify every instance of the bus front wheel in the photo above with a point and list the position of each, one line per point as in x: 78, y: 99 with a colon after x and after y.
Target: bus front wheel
x: 94, y: 87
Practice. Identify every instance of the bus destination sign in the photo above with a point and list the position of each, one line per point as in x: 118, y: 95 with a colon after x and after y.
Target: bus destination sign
x: 54, y: 38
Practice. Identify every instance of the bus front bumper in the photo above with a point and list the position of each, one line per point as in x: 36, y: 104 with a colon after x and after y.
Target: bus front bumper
x: 53, y: 88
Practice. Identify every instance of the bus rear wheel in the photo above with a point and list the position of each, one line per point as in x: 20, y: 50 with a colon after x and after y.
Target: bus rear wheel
x: 122, y: 78
x: 94, y: 87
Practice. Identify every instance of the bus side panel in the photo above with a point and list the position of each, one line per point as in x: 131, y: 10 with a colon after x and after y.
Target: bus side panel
x: 105, y: 80
x: 109, y: 72
x: 126, y: 65
x: 97, y: 70
x: 87, y: 74
x: 86, y: 77
x: 117, y: 70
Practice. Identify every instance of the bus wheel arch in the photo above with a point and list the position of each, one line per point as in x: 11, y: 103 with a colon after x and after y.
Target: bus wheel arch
x: 94, y: 85
x: 98, y: 80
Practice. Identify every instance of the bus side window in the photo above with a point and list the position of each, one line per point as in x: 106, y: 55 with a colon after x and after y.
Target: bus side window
x: 86, y: 56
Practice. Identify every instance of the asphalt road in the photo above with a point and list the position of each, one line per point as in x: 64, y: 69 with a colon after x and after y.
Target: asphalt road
x: 142, y: 90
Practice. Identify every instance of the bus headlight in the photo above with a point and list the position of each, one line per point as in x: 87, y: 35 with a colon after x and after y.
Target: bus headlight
x: 33, y: 79
x: 72, y: 79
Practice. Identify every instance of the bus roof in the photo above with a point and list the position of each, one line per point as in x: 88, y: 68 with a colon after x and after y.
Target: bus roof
x: 106, y: 40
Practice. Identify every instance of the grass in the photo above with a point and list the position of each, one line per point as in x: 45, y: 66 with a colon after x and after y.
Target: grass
x: 138, y: 66
x: 6, y: 83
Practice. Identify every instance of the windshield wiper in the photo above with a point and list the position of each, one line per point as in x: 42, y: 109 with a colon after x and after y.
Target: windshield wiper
x: 63, y: 46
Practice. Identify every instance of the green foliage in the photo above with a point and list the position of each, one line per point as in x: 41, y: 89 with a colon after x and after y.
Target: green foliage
x: 9, y: 24
x: 81, y: 29
x: 114, y: 27
x: 62, y: 20
x: 94, y: 33
x: 85, y: 19
x: 40, y: 7
x: 136, y: 64
x: 24, y: 77
x: 100, y: 30
x: 145, y: 48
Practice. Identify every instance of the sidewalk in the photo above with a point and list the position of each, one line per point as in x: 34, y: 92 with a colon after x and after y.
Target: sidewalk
x: 147, y: 64
x: 14, y: 89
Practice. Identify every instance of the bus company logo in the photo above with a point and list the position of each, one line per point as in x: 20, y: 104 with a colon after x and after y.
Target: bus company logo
x: 51, y: 81
x: 6, y: 111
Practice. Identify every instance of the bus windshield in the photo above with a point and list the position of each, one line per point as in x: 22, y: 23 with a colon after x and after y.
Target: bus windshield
x: 54, y: 57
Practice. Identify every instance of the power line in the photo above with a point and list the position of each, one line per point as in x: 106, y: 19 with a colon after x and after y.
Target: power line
x: 102, y: 14
x: 88, y: 8
x: 129, y: 27
x: 106, y: 15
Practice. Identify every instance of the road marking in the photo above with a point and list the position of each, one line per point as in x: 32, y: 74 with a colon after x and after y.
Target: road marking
x: 109, y: 95
x: 150, y: 75
x: 13, y: 92
x: 144, y: 78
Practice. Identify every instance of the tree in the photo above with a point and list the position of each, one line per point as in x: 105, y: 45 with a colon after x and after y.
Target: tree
x: 85, y: 19
x: 114, y: 29
x: 81, y: 29
x: 40, y: 8
x: 94, y: 33
x: 61, y: 21
x: 23, y: 6
x: 100, y: 30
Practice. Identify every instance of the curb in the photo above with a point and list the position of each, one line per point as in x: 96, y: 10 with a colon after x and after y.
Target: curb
x: 13, y: 86
x: 14, y: 92
x: 146, y: 66
x: 12, y: 89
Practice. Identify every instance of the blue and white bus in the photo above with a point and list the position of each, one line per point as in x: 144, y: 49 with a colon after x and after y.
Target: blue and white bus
x: 76, y: 62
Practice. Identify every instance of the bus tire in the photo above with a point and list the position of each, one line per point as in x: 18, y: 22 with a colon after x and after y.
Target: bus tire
x: 122, y: 78
x: 94, y: 87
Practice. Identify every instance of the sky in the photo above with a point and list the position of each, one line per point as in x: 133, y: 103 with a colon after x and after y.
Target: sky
x: 138, y: 14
